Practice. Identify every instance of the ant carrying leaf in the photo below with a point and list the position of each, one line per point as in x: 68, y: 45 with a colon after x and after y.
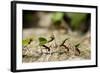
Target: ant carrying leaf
x: 42, y: 42
x: 27, y: 41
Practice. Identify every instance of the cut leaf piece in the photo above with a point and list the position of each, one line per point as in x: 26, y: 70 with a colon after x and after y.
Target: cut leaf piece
x: 25, y: 42
x: 42, y: 41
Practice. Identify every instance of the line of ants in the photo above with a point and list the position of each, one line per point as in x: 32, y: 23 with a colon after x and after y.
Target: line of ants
x: 61, y: 45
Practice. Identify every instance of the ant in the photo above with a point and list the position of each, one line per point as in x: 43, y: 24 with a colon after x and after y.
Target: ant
x: 77, y: 49
x: 63, y: 45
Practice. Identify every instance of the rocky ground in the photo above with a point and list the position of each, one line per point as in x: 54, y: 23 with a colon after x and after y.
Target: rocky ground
x: 35, y: 53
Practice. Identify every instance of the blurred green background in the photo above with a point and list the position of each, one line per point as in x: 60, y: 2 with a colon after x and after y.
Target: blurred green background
x: 74, y: 21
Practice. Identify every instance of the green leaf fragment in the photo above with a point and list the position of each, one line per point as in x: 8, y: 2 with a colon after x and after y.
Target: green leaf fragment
x: 26, y: 41
x: 42, y: 41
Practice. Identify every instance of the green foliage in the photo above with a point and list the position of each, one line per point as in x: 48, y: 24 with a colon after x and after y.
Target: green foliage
x: 25, y: 42
x: 58, y: 16
x: 42, y: 41
x: 76, y: 19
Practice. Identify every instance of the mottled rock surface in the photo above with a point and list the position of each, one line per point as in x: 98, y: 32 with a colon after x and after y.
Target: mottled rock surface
x: 35, y: 53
